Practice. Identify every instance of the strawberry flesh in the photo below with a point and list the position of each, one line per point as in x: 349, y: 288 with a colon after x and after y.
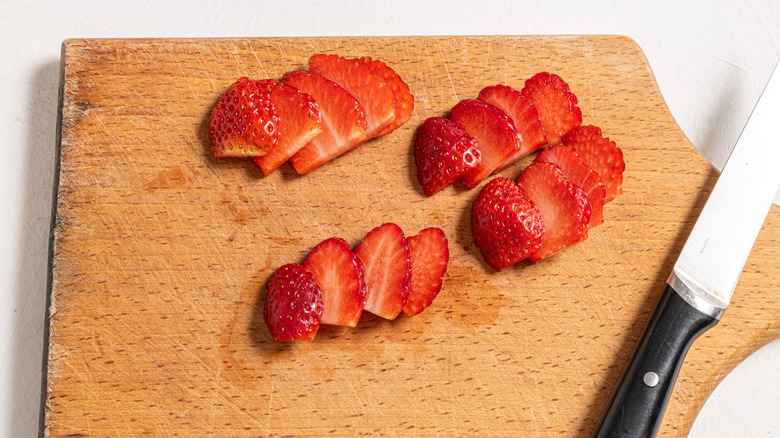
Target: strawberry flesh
x: 443, y: 152
x: 299, y: 122
x: 600, y: 154
x: 556, y: 104
x: 580, y: 175
x: 243, y: 122
x: 293, y: 304
x: 403, y: 100
x: 564, y: 207
x: 387, y: 270
x: 343, y: 121
x: 339, y: 273
x: 494, y: 131
x: 506, y: 225
x: 369, y: 88
x: 429, y: 254
x: 523, y: 114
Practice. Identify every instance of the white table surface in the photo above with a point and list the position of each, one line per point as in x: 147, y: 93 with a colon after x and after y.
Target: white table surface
x: 711, y: 59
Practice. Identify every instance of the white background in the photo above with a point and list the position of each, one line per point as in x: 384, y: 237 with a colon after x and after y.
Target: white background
x: 710, y: 58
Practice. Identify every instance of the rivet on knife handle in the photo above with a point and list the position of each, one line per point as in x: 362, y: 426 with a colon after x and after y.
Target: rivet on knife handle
x: 640, y: 399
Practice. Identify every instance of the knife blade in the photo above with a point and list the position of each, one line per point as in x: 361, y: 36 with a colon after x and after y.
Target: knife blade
x: 705, y: 275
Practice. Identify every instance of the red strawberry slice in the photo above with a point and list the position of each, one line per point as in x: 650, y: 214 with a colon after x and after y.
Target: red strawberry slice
x: 343, y: 121
x: 339, y: 273
x: 369, y: 88
x: 243, y: 122
x: 506, y: 225
x: 403, y: 100
x: 293, y: 304
x: 495, y: 132
x: 600, y: 154
x: 556, y: 104
x: 523, y: 114
x: 299, y: 122
x: 429, y: 254
x: 564, y: 207
x: 580, y: 175
x: 387, y: 270
x: 443, y: 152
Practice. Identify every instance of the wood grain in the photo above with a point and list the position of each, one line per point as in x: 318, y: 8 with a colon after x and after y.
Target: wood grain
x: 161, y: 254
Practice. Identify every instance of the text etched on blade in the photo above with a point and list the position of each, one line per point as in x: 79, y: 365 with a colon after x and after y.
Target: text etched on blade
x: 704, y: 245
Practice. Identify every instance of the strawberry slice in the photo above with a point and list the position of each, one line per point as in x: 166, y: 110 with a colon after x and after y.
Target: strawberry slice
x: 556, y: 104
x: 339, y: 273
x: 600, y: 154
x: 299, y: 122
x: 403, y: 100
x: 369, y: 88
x: 506, y: 225
x: 243, y: 122
x: 443, y: 152
x: 564, y: 207
x: 495, y: 132
x: 429, y: 255
x: 343, y: 121
x: 523, y: 114
x: 293, y: 304
x: 580, y: 175
x: 387, y: 270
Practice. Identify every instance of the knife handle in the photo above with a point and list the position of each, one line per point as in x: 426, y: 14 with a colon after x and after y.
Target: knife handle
x: 640, y: 399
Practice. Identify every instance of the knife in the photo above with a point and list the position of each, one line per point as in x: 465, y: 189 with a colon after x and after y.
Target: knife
x: 705, y: 274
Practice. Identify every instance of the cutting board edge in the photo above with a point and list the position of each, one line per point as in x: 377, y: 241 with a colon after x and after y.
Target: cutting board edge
x: 54, y: 227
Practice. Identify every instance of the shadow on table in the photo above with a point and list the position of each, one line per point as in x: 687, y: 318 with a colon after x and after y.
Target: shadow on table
x: 30, y: 291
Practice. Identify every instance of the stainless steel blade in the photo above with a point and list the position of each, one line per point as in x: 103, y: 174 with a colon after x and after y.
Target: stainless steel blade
x: 715, y: 253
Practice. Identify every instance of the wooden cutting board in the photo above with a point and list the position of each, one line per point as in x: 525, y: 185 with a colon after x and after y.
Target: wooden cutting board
x: 161, y: 254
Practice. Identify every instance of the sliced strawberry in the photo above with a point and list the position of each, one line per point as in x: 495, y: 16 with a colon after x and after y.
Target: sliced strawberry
x: 293, y: 304
x: 429, y: 254
x: 564, y: 207
x: 343, y: 121
x: 556, y: 104
x: 387, y: 270
x: 523, y: 114
x: 243, y: 122
x: 507, y: 227
x: 299, y: 122
x: 403, y: 100
x: 369, y: 88
x: 580, y: 175
x: 600, y: 154
x: 443, y: 152
x: 495, y: 132
x: 339, y: 273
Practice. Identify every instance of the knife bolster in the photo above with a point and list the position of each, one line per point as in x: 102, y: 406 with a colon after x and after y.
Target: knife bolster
x: 692, y: 295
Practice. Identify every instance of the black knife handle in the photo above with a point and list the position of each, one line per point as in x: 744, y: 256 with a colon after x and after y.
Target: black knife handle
x: 640, y: 399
